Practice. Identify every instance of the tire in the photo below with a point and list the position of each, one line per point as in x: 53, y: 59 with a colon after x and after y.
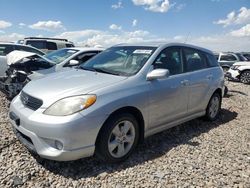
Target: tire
x: 225, y: 91
x: 245, y: 77
x: 225, y: 69
x: 213, y: 107
x: 118, y: 138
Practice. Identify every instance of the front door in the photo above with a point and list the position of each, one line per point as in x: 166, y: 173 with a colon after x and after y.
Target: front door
x: 168, y: 98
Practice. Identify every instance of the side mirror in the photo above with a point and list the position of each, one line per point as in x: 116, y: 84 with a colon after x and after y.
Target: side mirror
x: 73, y: 62
x: 158, y: 74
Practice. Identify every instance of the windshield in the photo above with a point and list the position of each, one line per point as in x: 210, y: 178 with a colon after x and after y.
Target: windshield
x: 60, y: 55
x: 124, y: 61
x: 241, y: 57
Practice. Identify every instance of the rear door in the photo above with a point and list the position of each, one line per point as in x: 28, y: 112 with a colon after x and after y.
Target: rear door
x: 200, y: 78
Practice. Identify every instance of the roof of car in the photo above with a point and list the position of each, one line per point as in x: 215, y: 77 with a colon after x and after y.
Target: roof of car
x: 16, y: 44
x: 86, y: 49
x: 165, y: 44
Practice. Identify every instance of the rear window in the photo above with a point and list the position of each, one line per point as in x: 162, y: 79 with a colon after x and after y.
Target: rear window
x: 5, y: 49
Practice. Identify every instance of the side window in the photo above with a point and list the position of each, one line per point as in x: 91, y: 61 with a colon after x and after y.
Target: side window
x: 194, y: 59
x: 228, y: 57
x: 5, y: 49
x: 51, y: 46
x: 69, y: 45
x: 37, y: 44
x: 170, y: 59
x: 82, y: 58
x: 212, y: 61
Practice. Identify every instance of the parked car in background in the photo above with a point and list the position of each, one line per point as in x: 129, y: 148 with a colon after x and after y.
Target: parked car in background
x: 7, y: 47
x: 25, y: 66
x: 246, y: 55
x: 114, y: 100
x: 47, y: 44
x: 227, y: 59
x: 240, y: 72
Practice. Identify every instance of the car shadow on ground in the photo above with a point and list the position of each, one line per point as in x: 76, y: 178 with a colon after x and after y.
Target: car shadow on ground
x: 152, y: 148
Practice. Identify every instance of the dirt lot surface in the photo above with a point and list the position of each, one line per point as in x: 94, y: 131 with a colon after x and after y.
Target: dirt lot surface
x: 197, y: 153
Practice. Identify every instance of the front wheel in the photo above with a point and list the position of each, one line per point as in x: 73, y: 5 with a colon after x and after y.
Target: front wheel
x: 213, y: 107
x: 118, y: 138
x: 245, y: 77
x: 225, y: 69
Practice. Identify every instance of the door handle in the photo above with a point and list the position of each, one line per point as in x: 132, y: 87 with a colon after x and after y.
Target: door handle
x: 184, y: 82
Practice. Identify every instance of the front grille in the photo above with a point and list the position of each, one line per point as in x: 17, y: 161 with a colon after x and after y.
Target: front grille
x: 30, y: 102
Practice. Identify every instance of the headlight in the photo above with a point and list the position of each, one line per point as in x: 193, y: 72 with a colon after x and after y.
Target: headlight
x: 235, y: 67
x: 70, y: 105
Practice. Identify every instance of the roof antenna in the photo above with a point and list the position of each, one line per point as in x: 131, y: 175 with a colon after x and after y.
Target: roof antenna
x: 187, y: 38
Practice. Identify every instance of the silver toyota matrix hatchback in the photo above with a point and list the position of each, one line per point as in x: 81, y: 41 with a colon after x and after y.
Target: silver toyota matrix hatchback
x: 113, y: 101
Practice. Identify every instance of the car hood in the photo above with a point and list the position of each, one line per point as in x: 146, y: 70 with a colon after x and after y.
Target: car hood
x: 17, y: 56
x: 44, y: 72
x: 242, y: 63
x: 69, y: 83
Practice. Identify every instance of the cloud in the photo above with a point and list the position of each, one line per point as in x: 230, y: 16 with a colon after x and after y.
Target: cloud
x: 48, y: 25
x: 108, y: 39
x: 2, y: 32
x: 233, y: 18
x: 180, y: 7
x: 117, y: 6
x: 115, y: 27
x: 154, y: 5
x: 11, y: 37
x: 78, y: 35
x: 4, y: 24
x: 21, y: 25
x: 135, y: 22
x: 242, y: 32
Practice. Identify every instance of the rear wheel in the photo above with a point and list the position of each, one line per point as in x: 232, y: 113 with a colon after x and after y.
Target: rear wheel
x: 117, y: 138
x: 213, y: 107
x: 245, y: 77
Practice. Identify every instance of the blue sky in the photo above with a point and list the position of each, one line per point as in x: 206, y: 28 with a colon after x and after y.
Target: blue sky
x: 216, y: 24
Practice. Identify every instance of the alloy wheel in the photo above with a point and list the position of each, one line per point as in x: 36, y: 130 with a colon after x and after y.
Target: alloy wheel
x: 121, y: 139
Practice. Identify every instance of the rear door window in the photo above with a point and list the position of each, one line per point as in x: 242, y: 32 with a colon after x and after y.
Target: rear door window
x: 194, y: 59
x: 51, y: 46
x: 37, y: 44
x: 212, y: 61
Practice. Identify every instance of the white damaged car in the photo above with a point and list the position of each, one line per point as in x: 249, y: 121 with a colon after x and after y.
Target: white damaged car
x: 240, y: 71
x: 26, y: 66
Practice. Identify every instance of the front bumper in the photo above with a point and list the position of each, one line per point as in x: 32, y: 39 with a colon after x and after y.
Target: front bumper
x: 233, y: 74
x: 40, y: 133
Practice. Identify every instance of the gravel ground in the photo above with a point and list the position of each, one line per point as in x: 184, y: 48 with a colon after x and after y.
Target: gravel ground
x: 196, y: 153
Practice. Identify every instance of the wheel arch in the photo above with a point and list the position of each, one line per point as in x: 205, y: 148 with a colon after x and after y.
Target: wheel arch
x: 133, y: 111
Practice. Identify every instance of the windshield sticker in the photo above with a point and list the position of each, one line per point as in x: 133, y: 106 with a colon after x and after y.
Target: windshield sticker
x: 142, y: 52
x: 71, y: 51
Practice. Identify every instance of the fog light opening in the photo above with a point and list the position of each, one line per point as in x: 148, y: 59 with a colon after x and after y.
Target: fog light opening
x: 58, y: 145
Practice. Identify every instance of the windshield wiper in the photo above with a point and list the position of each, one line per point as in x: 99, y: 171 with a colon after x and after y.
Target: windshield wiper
x: 100, y: 70
x: 105, y: 71
x: 86, y: 68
